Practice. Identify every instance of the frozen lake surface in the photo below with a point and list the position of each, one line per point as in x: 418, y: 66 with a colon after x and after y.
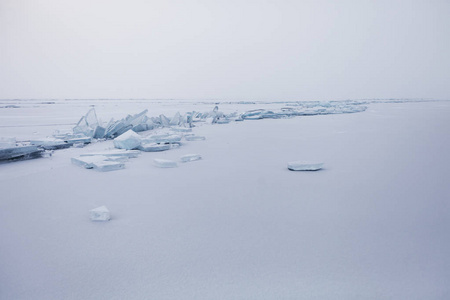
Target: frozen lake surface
x: 236, y: 224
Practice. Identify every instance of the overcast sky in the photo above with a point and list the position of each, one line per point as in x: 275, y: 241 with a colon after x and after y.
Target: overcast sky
x: 247, y: 49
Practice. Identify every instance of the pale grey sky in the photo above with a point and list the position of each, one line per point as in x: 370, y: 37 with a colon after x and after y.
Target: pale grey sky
x: 217, y: 49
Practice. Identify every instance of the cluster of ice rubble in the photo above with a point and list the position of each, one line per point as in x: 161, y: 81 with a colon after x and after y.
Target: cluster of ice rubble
x: 124, y: 131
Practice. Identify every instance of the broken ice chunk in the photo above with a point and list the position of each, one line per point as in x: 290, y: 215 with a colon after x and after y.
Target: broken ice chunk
x: 20, y: 152
x: 50, y: 143
x: 176, y: 119
x: 190, y: 157
x: 194, y: 138
x: 116, y: 153
x: 128, y: 140
x: 100, y: 214
x: 304, y: 166
x: 88, y: 161
x: 99, y: 132
x: 106, y: 166
x: 162, y: 138
x: 164, y: 163
x: 154, y: 147
x: 83, y: 139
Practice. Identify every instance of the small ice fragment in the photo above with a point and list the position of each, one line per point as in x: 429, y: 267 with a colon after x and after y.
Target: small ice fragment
x: 106, y: 166
x: 78, y: 145
x: 190, y: 157
x: 154, y: 147
x: 84, y: 139
x: 100, y: 214
x: 162, y: 138
x: 128, y: 140
x: 88, y: 161
x: 115, y: 153
x: 164, y: 163
x: 304, y: 166
x: 194, y: 138
x: 50, y: 143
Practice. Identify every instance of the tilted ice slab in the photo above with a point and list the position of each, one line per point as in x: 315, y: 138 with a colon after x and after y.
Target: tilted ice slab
x: 190, y: 157
x: 154, y: 147
x: 304, y: 166
x: 164, y: 163
x: 100, y: 214
x: 115, y: 153
x: 129, y: 140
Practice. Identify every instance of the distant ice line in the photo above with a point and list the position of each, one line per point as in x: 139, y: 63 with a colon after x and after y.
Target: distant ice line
x: 90, y: 127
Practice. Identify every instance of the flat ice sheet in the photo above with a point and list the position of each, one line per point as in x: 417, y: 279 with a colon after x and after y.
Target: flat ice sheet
x: 238, y: 225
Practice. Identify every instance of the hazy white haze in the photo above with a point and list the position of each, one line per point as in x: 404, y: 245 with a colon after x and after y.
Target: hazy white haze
x: 281, y: 50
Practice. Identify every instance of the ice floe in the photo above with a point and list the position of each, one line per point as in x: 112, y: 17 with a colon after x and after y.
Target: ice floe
x: 20, y: 152
x: 304, y: 166
x: 107, y: 165
x: 190, y: 157
x: 154, y: 147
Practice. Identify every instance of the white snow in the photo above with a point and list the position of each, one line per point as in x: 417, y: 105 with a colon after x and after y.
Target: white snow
x: 237, y: 225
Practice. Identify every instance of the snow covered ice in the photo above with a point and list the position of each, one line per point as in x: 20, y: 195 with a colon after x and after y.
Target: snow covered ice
x: 106, y: 165
x: 88, y: 161
x: 154, y: 147
x: 18, y: 152
x: 115, y: 153
x: 100, y: 214
x: 190, y: 157
x: 304, y: 166
x: 128, y: 140
x: 164, y: 163
x: 162, y: 138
